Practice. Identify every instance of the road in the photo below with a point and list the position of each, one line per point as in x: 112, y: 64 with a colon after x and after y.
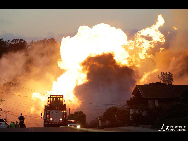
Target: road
x: 39, y: 129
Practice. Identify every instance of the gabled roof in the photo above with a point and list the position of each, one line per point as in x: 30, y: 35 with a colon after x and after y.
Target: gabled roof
x: 159, y: 91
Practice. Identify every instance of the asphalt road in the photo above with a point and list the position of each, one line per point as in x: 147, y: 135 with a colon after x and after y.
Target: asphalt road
x: 39, y: 129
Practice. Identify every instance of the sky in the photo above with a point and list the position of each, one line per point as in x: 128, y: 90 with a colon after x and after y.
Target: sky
x: 34, y: 24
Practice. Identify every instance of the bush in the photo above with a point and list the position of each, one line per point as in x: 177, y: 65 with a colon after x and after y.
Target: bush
x: 116, y: 117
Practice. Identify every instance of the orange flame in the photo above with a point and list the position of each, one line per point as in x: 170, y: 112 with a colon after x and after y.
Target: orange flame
x: 144, y: 77
x: 89, y: 42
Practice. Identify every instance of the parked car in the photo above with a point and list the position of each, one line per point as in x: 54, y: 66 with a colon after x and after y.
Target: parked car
x: 3, y: 123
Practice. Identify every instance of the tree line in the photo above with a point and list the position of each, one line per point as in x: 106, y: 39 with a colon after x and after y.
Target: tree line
x: 20, y: 44
x: 114, y: 115
x: 12, y: 46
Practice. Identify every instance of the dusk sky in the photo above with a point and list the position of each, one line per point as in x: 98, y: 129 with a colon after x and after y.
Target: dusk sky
x: 47, y: 23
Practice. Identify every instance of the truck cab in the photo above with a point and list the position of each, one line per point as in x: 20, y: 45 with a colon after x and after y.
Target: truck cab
x: 55, y: 114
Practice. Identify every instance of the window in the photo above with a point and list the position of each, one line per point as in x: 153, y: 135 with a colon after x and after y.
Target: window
x: 156, y: 103
x: 151, y: 103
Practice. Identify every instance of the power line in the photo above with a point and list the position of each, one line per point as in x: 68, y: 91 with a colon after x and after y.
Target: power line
x: 14, y: 84
x: 82, y: 102
x: 13, y: 106
x: 106, y: 104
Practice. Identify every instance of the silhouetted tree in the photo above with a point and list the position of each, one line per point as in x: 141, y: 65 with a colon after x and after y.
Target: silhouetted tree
x: 17, y: 45
x: 3, y: 47
x: 110, y: 115
x: 44, y: 42
x: 116, y: 116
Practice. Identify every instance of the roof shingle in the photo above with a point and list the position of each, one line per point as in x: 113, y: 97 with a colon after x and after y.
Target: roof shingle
x: 160, y: 91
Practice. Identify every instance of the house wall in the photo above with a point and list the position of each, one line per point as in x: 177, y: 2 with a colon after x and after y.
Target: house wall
x: 166, y: 102
x: 151, y: 103
x: 160, y: 102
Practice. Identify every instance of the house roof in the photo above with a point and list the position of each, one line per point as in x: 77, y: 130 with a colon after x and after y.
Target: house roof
x: 159, y: 91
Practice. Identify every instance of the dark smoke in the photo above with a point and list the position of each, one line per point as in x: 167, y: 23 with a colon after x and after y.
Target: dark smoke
x: 108, y: 84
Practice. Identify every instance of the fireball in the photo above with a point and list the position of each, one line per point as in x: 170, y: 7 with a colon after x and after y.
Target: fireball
x: 98, y: 40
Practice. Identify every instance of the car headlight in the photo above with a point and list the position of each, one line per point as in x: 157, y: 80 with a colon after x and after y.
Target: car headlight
x: 78, y: 126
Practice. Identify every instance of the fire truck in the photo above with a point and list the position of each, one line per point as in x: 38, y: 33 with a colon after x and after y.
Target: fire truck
x: 55, y: 114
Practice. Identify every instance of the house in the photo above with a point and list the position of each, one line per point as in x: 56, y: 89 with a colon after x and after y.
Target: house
x: 154, y: 94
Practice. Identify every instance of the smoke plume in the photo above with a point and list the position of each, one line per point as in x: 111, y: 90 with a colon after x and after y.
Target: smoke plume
x: 109, y: 84
x: 175, y: 56
x: 24, y: 72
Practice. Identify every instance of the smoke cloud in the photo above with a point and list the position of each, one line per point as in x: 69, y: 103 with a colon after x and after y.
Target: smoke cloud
x: 108, y: 84
x: 175, y: 56
x: 24, y: 72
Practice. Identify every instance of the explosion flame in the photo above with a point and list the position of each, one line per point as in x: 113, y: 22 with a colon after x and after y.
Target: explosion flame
x: 98, y: 40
